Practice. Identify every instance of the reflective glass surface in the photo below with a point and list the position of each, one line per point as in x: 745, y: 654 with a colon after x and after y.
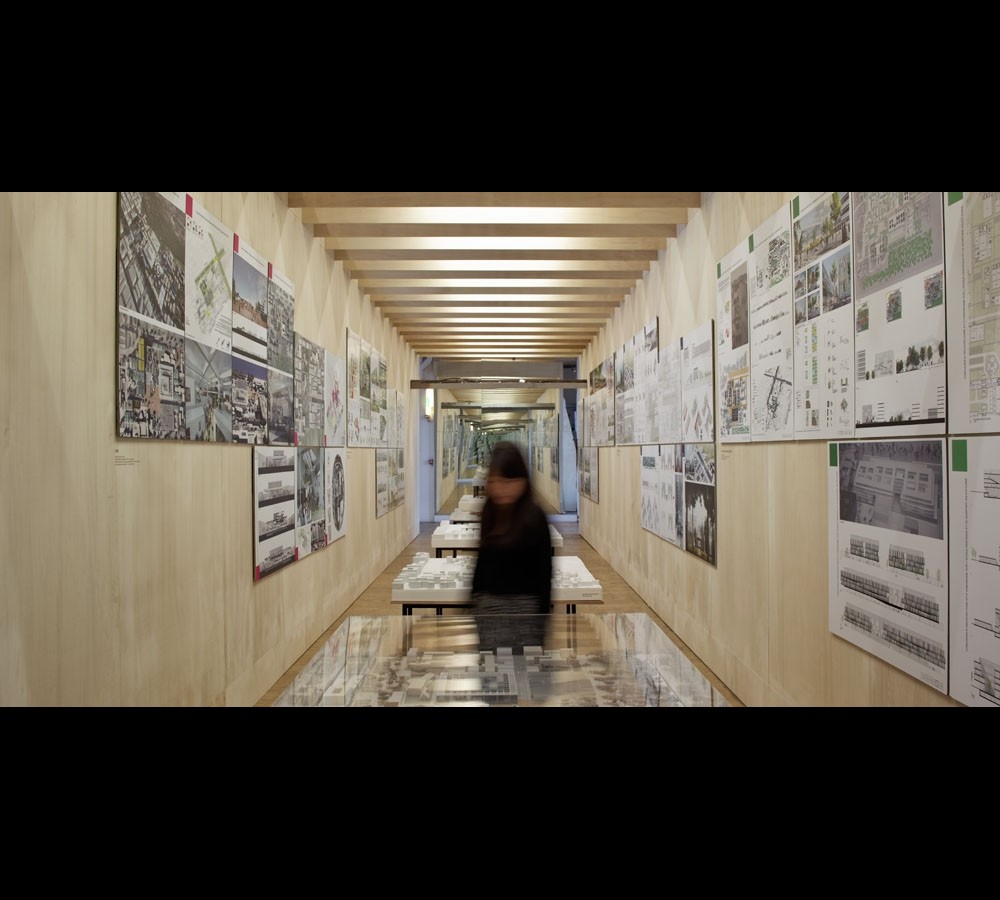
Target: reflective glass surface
x: 611, y: 660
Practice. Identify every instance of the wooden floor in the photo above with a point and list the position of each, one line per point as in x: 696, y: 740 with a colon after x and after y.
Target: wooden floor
x: 618, y: 598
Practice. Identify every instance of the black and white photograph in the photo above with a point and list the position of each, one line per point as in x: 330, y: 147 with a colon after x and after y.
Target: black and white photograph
x: 895, y: 485
x: 310, y: 500
x: 700, y: 526
x: 250, y: 403
x: 274, y: 510
x: 151, y: 238
x: 209, y: 390
x: 250, y: 306
x: 151, y: 381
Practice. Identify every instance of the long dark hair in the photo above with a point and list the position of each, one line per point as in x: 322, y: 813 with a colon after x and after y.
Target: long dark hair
x: 507, y: 461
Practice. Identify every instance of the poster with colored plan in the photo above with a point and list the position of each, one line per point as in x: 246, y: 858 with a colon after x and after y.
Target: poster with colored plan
x: 824, y: 315
x: 972, y: 230
x: 888, y: 553
x: 975, y: 570
x: 208, y: 280
x: 899, y: 331
x: 772, y: 331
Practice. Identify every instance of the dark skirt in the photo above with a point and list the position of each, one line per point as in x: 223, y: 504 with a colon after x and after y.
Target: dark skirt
x: 513, y: 621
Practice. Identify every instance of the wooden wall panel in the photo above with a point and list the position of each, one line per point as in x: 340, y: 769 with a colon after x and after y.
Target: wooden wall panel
x: 759, y: 620
x: 131, y: 562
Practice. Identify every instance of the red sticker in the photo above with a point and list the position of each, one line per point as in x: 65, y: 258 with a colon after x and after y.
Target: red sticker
x: 270, y: 271
x: 236, y: 243
x: 190, y: 206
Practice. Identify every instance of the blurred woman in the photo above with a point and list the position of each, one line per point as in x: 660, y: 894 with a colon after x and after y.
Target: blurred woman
x: 512, y: 584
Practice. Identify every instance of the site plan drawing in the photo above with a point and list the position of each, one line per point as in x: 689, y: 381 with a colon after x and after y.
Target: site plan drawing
x: 208, y: 280
x: 772, y: 332
x: 972, y: 227
x: 975, y: 571
x: 888, y: 558
x: 899, y: 290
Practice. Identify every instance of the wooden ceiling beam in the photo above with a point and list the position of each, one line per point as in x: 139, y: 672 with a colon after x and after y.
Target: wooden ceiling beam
x: 464, y: 230
x: 598, y: 199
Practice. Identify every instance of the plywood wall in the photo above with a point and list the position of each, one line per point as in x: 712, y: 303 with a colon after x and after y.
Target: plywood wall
x: 759, y: 619
x: 128, y: 564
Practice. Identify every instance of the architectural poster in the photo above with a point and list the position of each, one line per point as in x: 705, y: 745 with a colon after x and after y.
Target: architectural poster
x: 310, y: 501
x: 249, y: 305
x: 772, y: 332
x: 824, y: 315
x: 700, y: 518
x: 208, y: 280
x: 151, y: 322
x: 899, y: 289
x: 310, y: 393
x: 335, y: 401
x: 647, y: 361
x: 625, y: 394
x: 889, y: 553
x: 733, y: 337
x: 669, y: 419
x: 359, y: 392
x: 400, y: 419
x: 649, y: 488
x: 601, y: 405
x: 208, y: 368
x: 379, y: 416
x: 381, y: 482
x: 274, y: 509
x: 335, y: 475
x: 975, y: 571
x: 698, y: 385
x: 280, y: 359
x: 589, y: 473
x: 390, y: 480
x: 662, y: 493
x: 972, y: 220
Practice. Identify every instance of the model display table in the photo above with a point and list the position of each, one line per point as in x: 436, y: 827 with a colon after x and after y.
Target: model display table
x: 471, y: 504
x: 457, y: 536
x: 462, y: 517
x: 436, y: 583
x: 609, y: 660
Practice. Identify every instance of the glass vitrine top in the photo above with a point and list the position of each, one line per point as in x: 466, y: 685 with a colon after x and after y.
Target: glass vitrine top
x: 610, y: 660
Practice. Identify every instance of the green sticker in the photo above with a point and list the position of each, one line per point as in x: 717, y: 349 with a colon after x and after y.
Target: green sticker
x: 751, y: 243
x: 718, y: 272
x: 833, y: 455
x: 795, y: 208
x: 960, y: 456
x: 954, y: 197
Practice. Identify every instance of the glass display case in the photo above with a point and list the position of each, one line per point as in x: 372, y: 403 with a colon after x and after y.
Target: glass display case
x: 611, y: 660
